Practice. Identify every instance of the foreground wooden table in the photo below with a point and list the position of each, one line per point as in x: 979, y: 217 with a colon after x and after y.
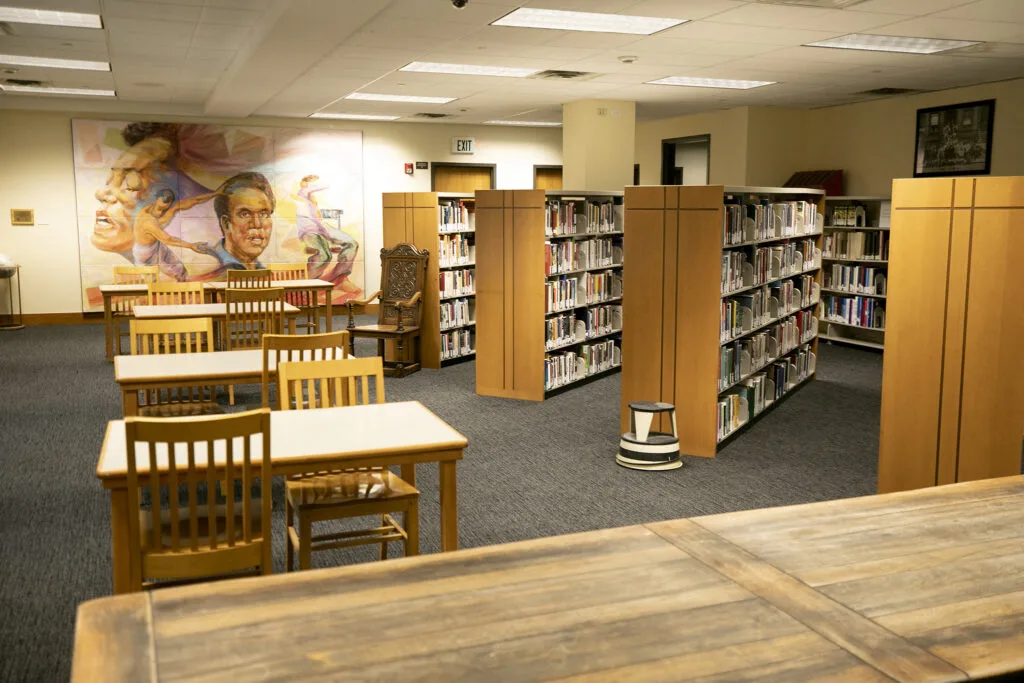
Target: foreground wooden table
x: 302, y: 441
x: 925, y: 585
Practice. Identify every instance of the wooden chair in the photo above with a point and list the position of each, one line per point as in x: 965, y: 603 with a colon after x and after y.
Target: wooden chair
x: 251, y: 313
x: 292, y: 348
x: 308, y: 302
x: 165, y: 293
x: 350, y: 493
x: 248, y: 279
x: 181, y: 335
x: 198, y: 539
x: 403, y: 273
x: 124, y: 307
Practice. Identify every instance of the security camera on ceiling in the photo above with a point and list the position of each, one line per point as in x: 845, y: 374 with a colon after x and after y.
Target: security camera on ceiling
x: 459, y: 4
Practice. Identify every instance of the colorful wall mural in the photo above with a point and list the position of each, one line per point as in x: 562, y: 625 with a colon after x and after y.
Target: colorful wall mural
x: 197, y: 200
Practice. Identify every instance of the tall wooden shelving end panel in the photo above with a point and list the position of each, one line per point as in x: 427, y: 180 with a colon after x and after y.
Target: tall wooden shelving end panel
x: 953, y: 375
x: 412, y: 217
x: 510, y: 293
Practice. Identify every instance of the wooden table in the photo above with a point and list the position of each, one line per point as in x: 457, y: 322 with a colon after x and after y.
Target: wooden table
x: 165, y: 371
x: 311, y: 285
x: 925, y: 585
x: 375, y: 435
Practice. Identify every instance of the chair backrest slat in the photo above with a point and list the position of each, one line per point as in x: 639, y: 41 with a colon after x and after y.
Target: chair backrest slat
x: 288, y: 271
x: 177, y: 335
x: 280, y: 348
x: 132, y: 275
x: 174, y: 293
x: 251, y: 313
x: 249, y: 279
x: 293, y: 376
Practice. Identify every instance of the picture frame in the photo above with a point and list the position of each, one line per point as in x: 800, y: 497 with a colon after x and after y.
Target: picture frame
x: 23, y: 217
x: 954, y: 139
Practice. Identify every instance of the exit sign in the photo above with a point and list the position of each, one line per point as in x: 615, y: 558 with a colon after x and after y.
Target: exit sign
x: 462, y: 145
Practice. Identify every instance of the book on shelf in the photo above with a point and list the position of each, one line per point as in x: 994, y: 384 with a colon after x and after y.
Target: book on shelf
x: 454, y: 215
x: 458, y: 343
x: 561, y: 257
x: 570, y: 328
x: 562, y: 217
x: 747, y: 219
x: 741, y: 269
x: 884, y: 214
x: 457, y: 312
x: 457, y: 282
x: 565, y: 368
x: 855, y: 279
x: 455, y: 250
x: 754, y: 394
x: 857, y: 245
x: 745, y: 312
x: 739, y: 358
x: 858, y: 311
x: 848, y: 215
x: 570, y: 291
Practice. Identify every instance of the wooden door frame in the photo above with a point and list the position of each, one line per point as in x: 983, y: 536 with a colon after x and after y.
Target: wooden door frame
x: 453, y: 164
x: 668, y: 156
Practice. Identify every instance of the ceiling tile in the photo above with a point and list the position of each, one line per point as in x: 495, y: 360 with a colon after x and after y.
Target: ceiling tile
x: 714, y: 31
x: 956, y: 29
x: 906, y: 7
x: 132, y: 9
x: 987, y: 10
x: 682, y: 9
x: 808, y: 18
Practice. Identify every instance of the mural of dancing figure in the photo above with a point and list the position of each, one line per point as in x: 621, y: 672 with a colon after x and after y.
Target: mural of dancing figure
x: 320, y: 243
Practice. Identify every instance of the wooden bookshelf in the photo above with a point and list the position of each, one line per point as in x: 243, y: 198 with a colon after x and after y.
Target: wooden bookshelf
x: 953, y: 373
x: 677, y: 290
x: 846, y: 216
x: 514, y: 241
x: 415, y: 217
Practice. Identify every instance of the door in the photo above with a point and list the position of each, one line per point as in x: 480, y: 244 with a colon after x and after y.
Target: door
x: 468, y: 178
x: 547, y: 177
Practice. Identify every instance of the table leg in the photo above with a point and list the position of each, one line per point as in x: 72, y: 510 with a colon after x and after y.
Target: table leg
x: 329, y: 295
x: 108, y: 323
x: 449, y: 507
x: 119, y: 546
x: 291, y: 324
x: 129, y: 402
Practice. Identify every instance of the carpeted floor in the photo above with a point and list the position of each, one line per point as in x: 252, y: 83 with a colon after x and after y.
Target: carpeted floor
x: 532, y: 469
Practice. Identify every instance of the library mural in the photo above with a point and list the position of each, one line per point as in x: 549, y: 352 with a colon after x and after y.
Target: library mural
x: 198, y: 200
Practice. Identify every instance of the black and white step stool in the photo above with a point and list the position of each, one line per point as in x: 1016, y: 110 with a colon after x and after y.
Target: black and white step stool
x: 642, y: 449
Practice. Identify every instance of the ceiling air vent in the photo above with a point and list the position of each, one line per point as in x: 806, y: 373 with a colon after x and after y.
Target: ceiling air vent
x: 557, y: 75
x: 430, y: 115
x: 826, y: 4
x: 26, y: 81
x: 883, y: 92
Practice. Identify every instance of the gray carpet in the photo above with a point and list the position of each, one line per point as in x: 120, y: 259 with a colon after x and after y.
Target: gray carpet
x: 532, y: 469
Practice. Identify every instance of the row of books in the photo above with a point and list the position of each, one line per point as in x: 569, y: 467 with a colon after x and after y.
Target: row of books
x: 748, y: 355
x: 584, y: 289
x: 757, y: 307
x: 741, y: 269
x: 457, y: 312
x: 855, y: 279
x: 757, y: 393
x: 564, y: 368
x: 569, y: 329
x: 455, y: 250
x: 457, y: 282
x: 856, y: 310
x: 849, y: 215
x: 454, y: 215
x: 458, y: 343
x: 561, y: 217
x: 857, y: 245
x: 561, y: 257
x: 746, y: 220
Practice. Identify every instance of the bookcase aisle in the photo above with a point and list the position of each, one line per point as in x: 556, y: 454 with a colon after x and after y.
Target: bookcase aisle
x: 749, y: 257
x: 855, y: 276
x: 549, y: 290
x: 444, y: 224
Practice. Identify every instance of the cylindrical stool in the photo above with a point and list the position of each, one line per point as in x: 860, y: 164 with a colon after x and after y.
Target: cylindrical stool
x: 642, y: 449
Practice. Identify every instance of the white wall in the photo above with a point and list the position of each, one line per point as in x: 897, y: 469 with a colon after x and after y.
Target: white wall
x: 37, y: 172
x: 693, y: 158
x: 728, y: 131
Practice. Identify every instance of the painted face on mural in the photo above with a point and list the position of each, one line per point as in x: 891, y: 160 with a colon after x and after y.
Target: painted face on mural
x: 248, y: 224
x: 126, y: 190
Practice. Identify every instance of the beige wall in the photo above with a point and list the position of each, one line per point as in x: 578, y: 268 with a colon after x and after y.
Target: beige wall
x: 37, y: 172
x: 597, y: 144
x: 777, y: 144
x: 728, y: 131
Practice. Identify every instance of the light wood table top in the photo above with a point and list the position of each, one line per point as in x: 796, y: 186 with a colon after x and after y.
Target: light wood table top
x: 917, y: 586
x: 201, y: 368
x: 125, y: 289
x: 287, y: 284
x: 192, y: 311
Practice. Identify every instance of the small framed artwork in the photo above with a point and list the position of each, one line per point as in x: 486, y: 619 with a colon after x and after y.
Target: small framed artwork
x: 23, y: 217
x: 954, y: 139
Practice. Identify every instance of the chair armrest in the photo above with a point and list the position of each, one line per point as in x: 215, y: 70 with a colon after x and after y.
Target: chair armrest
x: 350, y: 305
x: 364, y: 302
x: 409, y: 303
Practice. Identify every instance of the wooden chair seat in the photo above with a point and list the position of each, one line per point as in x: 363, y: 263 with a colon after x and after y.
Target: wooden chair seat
x: 345, y: 488
x: 202, y: 513
x: 183, y: 409
x: 389, y: 330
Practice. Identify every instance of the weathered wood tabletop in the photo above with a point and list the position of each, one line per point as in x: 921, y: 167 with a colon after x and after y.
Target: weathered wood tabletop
x: 924, y: 585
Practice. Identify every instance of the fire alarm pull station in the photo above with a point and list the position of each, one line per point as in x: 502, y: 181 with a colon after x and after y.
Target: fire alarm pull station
x: 408, y: 169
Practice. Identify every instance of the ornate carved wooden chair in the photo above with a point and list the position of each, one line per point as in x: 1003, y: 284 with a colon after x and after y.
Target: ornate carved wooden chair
x: 403, y: 274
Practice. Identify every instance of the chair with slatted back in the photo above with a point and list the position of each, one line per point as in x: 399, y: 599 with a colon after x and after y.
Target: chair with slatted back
x: 124, y: 307
x: 174, y: 293
x: 322, y: 497
x: 306, y: 301
x: 282, y: 348
x: 403, y: 275
x: 251, y: 313
x: 179, y: 335
x: 209, y: 534
x: 249, y: 279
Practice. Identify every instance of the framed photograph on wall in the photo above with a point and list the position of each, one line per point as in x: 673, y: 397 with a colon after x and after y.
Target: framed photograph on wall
x: 954, y: 139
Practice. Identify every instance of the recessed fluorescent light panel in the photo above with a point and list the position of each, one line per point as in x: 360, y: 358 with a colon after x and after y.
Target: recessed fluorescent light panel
x: 710, y: 83
x: 468, y: 69
x: 375, y: 97
x: 39, y: 90
x: 867, y: 41
x: 354, y: 117
x: 561, y: 20
x: 21, y: 15
x: 50, y: 63
x: 499, y: 122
